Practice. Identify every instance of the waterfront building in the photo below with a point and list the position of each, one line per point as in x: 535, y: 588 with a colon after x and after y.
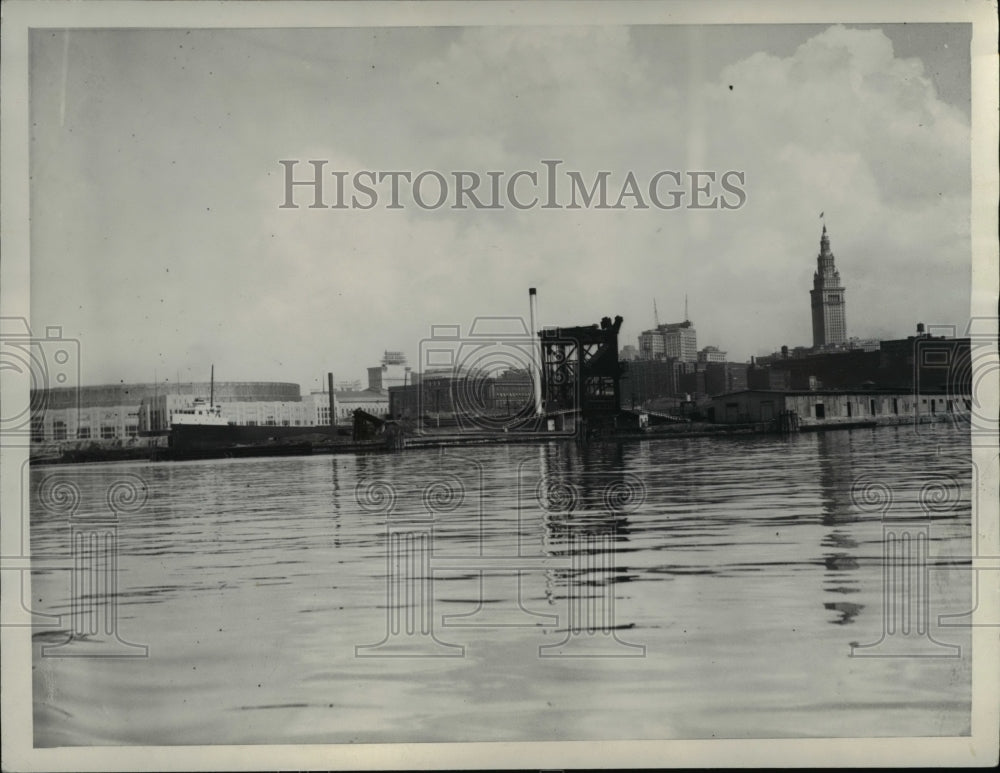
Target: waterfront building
x: 514, y: 391
x: 441, y: 392
x: 829, y: 323
x: 463, y: 395
x: 122, y: 412
x: 346, y: 401
x: 916, y: 362
x: 713, y: 378
x: 116, y: 412
x: 828, y: 408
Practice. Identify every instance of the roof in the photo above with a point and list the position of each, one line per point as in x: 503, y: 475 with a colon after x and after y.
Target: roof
x: 359, y: 396
x: 834, y: 392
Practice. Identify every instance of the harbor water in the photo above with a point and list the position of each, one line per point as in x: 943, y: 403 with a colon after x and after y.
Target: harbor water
x: 686, y: 588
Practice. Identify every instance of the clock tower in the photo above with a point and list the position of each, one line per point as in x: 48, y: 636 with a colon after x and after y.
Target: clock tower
x: 828, y: 317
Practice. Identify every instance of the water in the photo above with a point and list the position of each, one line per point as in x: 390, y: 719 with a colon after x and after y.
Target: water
x: 726, y: 581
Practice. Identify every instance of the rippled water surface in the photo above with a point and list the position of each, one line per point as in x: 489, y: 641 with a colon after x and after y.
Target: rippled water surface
x: 713, y: 587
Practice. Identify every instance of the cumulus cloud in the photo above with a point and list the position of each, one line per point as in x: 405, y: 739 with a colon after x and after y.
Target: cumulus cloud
x: 159, y: 240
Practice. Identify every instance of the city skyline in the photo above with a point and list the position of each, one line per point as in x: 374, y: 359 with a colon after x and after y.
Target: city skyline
x: 826, y: 278
x: 182, y: 132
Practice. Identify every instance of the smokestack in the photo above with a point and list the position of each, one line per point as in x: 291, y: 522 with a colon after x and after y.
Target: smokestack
x: 536, y: 360
x: 329, y: 384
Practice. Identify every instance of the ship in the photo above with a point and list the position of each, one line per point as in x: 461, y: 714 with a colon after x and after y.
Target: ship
x: 200, y: 430
x: 201, y: 413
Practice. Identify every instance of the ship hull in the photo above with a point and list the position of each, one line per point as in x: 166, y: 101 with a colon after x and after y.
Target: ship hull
x: 186, y: 438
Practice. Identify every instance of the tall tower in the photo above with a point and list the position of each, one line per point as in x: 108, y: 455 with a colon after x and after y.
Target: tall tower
x: 827, y: 295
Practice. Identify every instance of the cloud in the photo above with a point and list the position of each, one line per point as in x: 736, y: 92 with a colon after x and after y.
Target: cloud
x: 169, y: 245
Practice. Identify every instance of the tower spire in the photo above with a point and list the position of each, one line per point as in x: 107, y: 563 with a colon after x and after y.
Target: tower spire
x: 827, y: 298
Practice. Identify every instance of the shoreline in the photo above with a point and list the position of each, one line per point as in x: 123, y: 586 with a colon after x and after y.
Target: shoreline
x: 419, y: 441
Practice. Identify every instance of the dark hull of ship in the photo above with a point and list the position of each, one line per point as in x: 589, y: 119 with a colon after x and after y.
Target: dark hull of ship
x: 194, y: 438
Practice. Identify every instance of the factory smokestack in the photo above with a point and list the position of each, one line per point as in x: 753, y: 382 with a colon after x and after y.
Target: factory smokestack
x: 536, y: 360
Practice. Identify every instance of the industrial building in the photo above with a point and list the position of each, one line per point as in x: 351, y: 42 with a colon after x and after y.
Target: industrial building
x: 346, y: 401
x: 920, y: 361
x: 110, y: 412
x: 119, y: 412
x: 478, y: 397
x: 828, y: 408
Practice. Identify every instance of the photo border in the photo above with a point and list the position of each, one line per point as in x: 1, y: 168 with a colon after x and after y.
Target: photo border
x: 19, y: 16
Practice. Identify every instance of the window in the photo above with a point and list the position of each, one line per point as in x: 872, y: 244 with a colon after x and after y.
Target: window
x: 850, y: 409
x: 131, y: 430
x: 83, y: 433
x: 821, y: 411
x: 285, y: 422
x: 107, y: 432
x: 58, y: 430
x: 895, y: 405
x: 251, y: 423
x: 872, y: 406
x: 37, y: 431
x: 933, y: 405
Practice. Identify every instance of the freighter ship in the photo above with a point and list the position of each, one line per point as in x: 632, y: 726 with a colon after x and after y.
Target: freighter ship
x: 201, y: 413
x: 201, y: 430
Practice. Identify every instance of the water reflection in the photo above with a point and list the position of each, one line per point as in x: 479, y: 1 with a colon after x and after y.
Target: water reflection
x: 741, y: 566
x: 836, y: 476
x: 585, y: 496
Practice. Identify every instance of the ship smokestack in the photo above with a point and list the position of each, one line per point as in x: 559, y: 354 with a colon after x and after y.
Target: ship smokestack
x: 536, y: 360
x: 211, y: 389
x: 329, y: 386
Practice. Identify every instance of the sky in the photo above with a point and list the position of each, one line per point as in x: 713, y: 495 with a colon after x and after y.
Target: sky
x: 159, y: 241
